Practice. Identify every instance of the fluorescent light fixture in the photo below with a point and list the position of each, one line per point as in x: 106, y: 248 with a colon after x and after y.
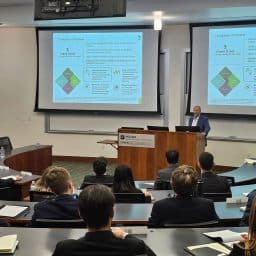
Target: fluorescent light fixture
x: 158, y: 24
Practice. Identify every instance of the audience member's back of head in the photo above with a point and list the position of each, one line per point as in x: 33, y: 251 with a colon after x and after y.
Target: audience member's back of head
x: 123, y: 180
x: 41, y: 184
x: 58, y: 179
x: 172, y: 156
x: 96, y: 206
x: 206, y: 161
x: 99, y: 165
x: 184, y: 180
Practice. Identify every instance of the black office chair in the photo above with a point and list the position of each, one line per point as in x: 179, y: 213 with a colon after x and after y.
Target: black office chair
x: 50, y: 223
x: 163, y: 185
x: 84, y: 185
x: 230, y: 180
x: 6, y: 143
x: 205, y: 224
x: 132, y: 198
x: 217, y: 197
x: 10, y: 193
x: 36, y: 196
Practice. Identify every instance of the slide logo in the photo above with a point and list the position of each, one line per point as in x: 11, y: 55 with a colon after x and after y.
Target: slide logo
x: 68, y: 80
x: 225, y: 81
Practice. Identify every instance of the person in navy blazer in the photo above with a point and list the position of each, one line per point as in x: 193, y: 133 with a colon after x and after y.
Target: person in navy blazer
x: 64, y: 206
x: 199, y: 120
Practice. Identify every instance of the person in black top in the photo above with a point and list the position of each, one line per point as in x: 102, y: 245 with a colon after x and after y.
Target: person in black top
x: 99, y: 167
x: 64, y: 206
x: 210, y: 182
x: 96, y: 206
x: 183, y: 208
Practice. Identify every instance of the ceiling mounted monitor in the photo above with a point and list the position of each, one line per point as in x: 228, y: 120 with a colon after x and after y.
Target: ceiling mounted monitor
x: 77, y: 9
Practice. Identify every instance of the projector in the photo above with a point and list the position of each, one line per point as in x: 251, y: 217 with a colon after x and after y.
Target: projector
x: 77, y: 9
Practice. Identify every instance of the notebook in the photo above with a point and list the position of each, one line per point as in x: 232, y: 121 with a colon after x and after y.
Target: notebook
x: 12, y: 210
x: 8, y: 244
x: 211, y: 249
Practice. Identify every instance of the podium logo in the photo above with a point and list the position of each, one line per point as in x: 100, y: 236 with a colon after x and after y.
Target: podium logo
x: 68, y: 81
x: 225, y: 81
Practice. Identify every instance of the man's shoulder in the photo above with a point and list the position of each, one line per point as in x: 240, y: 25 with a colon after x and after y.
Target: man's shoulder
x: 252, y: 194
x: 202, y: 200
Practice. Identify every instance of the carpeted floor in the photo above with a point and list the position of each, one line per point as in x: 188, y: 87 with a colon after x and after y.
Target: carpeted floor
x: 79, y: 170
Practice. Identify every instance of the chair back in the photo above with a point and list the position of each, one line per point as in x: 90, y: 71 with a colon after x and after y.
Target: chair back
x: 230, y: 180
x: 205, y: 224
x: 50, y: 223
x: 12, y: 193
x: 132, y: 198
x: 217, y: 197
x: 38, y: 196
x: 84, y: 185
x: 6, y: 143
x: 163, y: 185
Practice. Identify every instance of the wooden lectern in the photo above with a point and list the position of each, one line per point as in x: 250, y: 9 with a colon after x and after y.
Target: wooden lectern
x: 146, y: 154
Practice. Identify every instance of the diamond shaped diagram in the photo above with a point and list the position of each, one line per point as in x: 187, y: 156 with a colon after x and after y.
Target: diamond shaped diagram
x: 225, y: 81
x: 68, y: 80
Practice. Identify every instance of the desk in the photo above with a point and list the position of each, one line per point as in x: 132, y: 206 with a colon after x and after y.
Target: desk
x: 246, y: 174
x: 237, y: 191
x: 138, y: 214
x: 164, y: 242
x: 34, y: 158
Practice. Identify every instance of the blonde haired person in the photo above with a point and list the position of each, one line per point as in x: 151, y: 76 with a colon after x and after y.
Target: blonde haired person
x: 247, y: 247
x: 41, y: 185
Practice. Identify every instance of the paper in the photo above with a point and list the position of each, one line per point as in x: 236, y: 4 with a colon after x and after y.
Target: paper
x: 8, y: 177
x: 12, y: 210
x: 8, y: 243
x: 242, y: 208
x: 226, y: 236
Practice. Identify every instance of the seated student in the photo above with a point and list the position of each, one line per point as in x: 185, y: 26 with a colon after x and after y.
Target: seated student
x: 99, y: 167
x: 63, y: 206
x: 211, y: 183
x: 96, y: 207
x: 124, y: 182
x: 183, y: 208
x: 245, y: 218
x: 164, y: 175
x: 248, y: 244
x: 40, y: 184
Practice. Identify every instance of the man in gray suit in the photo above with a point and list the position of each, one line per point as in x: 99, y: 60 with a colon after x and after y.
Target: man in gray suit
x: 164, y: 175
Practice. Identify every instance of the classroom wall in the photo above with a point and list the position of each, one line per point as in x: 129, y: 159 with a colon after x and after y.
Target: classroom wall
x: 17, y: 97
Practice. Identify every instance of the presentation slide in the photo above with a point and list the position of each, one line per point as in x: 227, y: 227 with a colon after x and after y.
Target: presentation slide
x: 98, y: 70
x: 232, y: 67
x: 223, y: 79
x: 97, y: 67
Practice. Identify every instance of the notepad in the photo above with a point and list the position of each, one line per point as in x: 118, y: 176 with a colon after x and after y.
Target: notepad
x: 12, y: 210
x: 211, y: 249
x: 226, y: 236
x: 8, y: 244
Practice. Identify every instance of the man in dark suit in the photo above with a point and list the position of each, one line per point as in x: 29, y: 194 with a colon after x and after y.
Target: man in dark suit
x: 164, y: 175
x: 210, y: 182
x: 64, y: 206
x: 99, y: 167
x: 96, y: 206
x: 199, y: 120
x: 183, y: 208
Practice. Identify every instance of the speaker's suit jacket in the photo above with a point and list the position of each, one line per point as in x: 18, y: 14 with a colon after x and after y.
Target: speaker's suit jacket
x: 202, y: 122
x: 212, y: 183
x: 182, y: 210
x: 62, y: 207
x: 101, y: 243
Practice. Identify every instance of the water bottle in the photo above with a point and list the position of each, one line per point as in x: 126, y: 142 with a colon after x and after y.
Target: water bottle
x: 2, y: 152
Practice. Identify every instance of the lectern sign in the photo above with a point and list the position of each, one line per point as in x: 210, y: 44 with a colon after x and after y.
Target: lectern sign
x: 136, y: 140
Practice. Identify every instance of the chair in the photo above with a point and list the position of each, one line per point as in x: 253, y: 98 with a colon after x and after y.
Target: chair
x: 230, y: 180
x: 217, y: 197
x: 132, y: 198
x: 10, y: 193
x: 84, y: 185
x: 6, y: 143
x: 205, y: 224
x: 163, y: 185
x: 36, y: 196
x: 50, y: 223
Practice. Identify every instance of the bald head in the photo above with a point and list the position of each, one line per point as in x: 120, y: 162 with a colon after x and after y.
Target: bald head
x: 196, y: 111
